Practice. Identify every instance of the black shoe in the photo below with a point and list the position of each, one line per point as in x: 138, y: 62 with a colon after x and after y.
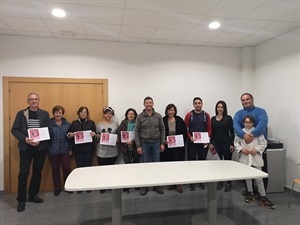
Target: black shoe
x: 102, y: 191
x: 89, y: 191
x: 126, y: 190
x: 220, y: 185
x: 137, y: 188
x: 57, y: 192
x: 158, y: 189
x: 79, y: 192
x: 171, y: 187
x: 143, y: 190
x: 202, y: 186
x: 245, y: 193
x: 35, y: 199
x: 228, y: 187
x: 21, y: 206
x: 192, y: 187
x: 70, y: 192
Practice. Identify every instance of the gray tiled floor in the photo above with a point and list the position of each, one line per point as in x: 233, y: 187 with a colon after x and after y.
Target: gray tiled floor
x: 170, y: 208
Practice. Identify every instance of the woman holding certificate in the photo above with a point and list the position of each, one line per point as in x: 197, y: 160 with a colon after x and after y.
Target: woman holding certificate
x: 127, y: 145
x: 107, y: 150
x: 83, y: 130
x: 176, y: 136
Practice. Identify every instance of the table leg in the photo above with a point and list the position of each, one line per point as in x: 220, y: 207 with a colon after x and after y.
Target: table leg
x: 211, y: 217
x: 212, y: 202
x: 116, y: 207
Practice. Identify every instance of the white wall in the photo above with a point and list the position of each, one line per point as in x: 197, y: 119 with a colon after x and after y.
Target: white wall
x: 167, y: 73
x: 277, y: 88
x: 170, y: 74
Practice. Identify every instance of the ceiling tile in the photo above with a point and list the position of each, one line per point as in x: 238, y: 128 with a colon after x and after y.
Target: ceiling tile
x: 278, y: 28
x: 198, y: 43
x: 169, y: 34
x: 142, y: 18
x: 70, y: 36
x: 18, y: 9
x: 4, y: 26
x: 274, y: 10
x: 102, y: 38
x: 103, y: 3
x: 179, y: 21
x: 253, y: 40
x: 25, y: 24
x: 57, y: 26
x: 134, y: 40
x: 35, y: 34
x: 225, y: 37
x: 7, y: 32
x: 293, y: 17
x: 198, y: 35
x: 248, y: 26
x: 192, y: 7
x: 165, y: 42
x: 137, y: 32
x: 102, y: 29
x: 149, y: 5
x: 216, y: 44
x: 225, y: 22
x: 45, y: 10
x: 234, y: 8
x: 101, y: 15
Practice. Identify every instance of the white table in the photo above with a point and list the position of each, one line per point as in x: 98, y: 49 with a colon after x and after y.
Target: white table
x: 117, y: 177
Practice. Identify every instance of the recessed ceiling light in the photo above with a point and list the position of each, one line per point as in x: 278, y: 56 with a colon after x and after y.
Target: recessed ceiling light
x: 58, y: 13
x: 214, y: 25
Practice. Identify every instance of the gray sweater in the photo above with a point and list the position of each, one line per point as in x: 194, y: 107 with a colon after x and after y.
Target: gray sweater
x: 149, y: 128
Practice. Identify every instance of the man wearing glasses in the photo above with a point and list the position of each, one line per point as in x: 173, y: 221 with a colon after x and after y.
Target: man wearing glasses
x: 30, y: 150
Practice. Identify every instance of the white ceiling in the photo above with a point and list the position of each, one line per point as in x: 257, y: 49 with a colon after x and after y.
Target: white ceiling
x: 178, y: 22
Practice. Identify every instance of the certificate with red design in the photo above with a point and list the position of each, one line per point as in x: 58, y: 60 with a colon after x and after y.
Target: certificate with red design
x: 108, y: 139
x: 38, y: 134
x: 175, y: 141
x: 200, y: 137
x: 84, y: 136
x: 127, y: 136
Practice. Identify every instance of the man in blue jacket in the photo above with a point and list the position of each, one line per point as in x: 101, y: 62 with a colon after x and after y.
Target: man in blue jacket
x: 30, y: 151
x: 261, y: 121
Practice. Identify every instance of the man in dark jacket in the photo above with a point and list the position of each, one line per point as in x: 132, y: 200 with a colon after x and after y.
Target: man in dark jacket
x: 30, y: 150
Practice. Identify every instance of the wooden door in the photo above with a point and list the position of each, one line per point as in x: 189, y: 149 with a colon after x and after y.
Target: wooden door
x: 70, y: 93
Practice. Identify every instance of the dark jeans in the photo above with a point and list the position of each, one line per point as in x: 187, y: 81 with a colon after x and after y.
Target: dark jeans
x: 83, y: 159
x: 107, y: 161
x: 57, y: 161
x: 223, y: 151
x: 173, y: 154
x: 37, y: 158
x: 131, y: 157
x: 196, y: 151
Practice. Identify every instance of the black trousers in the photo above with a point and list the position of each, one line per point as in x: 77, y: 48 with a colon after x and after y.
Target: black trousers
x: 37, y: 158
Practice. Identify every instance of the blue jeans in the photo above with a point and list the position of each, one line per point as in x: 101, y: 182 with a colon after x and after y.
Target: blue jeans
x: 151, y: 151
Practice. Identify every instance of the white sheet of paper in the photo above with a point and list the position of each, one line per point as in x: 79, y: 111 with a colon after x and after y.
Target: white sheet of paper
x: 127, y: 136
x: 175, y: 141
x: 200, y: 137
x: 83, y: 137
x: 39, y: 134
x: 250, y: 160
x: 108, y: 139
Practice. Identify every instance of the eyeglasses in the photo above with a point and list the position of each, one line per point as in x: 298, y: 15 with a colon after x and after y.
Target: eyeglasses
x: 248, y: 122
x: 33, y: 99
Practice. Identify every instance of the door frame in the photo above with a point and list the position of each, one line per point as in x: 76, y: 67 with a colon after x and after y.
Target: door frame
x: 6, y: 81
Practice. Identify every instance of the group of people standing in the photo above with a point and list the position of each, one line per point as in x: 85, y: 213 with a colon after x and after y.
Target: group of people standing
x: 149, y: 144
